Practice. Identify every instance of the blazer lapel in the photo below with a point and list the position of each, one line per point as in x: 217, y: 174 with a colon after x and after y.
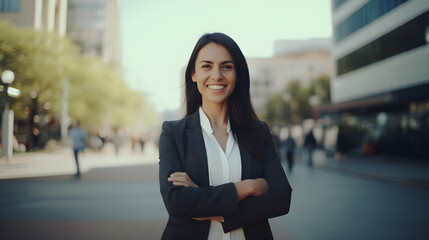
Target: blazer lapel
x: 246, y: 162
x: 196, y: 143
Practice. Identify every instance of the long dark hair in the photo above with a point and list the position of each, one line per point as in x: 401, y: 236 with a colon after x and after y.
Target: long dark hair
x: 246, y: 126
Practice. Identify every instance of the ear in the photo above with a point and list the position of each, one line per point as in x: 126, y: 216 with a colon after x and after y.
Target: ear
x: 193, y: 77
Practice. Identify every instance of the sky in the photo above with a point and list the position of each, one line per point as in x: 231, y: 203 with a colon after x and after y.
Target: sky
x: 158, y: 36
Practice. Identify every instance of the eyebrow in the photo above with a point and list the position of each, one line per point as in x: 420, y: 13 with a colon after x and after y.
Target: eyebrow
x: 224, y: 62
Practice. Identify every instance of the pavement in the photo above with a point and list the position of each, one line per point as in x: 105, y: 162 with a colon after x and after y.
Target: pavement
x: 393, y: 169
x: 60, y: 161
x: 134, y: 174
x: 116, y: 196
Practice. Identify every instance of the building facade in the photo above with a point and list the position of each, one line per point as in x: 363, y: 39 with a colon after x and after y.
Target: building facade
x: 302, y: 60
x: 47, y: 15
x: 94, y: 25
x: 380, y: 77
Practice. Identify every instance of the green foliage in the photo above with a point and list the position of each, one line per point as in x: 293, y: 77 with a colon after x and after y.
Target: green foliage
x: 41, y: 61
x: 278, y: 112
x: 292, y: 105
x: 321, y: 88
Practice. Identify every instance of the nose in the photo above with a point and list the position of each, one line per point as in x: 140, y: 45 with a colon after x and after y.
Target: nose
x: 217, y: 74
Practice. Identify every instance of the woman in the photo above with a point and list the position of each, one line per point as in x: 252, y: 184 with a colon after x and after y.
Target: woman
x: 219, y: 173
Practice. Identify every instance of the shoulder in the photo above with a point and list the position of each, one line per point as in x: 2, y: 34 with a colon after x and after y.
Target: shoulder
x: 176, y: 125
x: 266, y: 130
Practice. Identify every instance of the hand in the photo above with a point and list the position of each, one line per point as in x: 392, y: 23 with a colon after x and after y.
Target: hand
x: 260, y: 186
x: 251, y: 187
x: 181, y: 179
x: 217, y: 218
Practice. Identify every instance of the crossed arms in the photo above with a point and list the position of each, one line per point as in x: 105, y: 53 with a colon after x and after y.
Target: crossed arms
x: 237, y: 204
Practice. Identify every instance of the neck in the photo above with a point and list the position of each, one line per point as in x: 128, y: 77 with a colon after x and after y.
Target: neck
x: 217, y: 114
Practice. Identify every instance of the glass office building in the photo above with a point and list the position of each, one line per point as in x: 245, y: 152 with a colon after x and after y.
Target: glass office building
x: 380, y: 80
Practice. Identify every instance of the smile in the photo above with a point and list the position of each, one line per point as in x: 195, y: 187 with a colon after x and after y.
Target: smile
x: 216, y: 87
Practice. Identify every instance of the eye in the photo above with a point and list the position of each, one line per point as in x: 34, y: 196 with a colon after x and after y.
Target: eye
x: 228, y: 67
x: 206, y: 66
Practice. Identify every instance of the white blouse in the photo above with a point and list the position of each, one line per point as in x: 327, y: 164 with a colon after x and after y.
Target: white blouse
x: 224, y: 167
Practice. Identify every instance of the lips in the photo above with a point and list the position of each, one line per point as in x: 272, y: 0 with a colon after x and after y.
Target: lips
x: 216, y: 87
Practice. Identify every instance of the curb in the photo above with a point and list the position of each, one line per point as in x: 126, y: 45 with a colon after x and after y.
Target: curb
x: 374, y: 176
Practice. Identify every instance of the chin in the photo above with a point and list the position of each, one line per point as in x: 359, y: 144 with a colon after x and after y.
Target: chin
x: 217, y: 100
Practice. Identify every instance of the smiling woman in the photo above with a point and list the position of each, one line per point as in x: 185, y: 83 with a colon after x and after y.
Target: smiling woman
x: 215, y: 75
x: 219, y: 172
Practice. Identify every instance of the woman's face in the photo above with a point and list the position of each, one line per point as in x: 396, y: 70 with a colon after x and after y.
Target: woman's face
x: 214, y: 73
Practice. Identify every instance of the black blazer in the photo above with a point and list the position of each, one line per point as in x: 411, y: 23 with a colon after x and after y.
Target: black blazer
x: 182, y: 149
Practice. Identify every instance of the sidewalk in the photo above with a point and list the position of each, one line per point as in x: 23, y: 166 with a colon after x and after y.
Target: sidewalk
x: 379, y: 167
x: 61, y: 161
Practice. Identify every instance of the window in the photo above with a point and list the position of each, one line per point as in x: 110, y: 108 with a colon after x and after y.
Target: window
x: 338, y: 3
x: 406, y: 37
x: 9, y: 5
x: 364, y: 16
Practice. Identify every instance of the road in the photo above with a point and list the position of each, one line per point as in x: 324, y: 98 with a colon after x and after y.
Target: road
x: 335, y: 205
x: 123, y: 202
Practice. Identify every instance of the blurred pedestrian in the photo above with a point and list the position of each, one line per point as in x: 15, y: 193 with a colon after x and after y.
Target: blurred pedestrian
x: 289, y: 146
x: 35, y: 134
x: 18, y: 145
x: 310, y: 144
x: 205, y: 155
x: 78, y: 136
x: 142, y: 141
x: 343, y: 145
x: 117, y: 139
x: 134, y: 141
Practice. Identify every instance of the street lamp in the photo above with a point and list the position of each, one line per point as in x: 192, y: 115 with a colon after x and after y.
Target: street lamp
x: 7, y: 78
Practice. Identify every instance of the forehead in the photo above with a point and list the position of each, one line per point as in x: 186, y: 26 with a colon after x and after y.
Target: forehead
x: 213, y: 52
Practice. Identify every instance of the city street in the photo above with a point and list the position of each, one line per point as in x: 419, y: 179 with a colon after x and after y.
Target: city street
x: 342, y: 86
x: 123, y: 202
x: 334, y: 205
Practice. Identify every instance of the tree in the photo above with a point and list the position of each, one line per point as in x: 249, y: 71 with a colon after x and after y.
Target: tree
x: 278, y: 112
x: 295, y: 107
x: 41, y: 61
x: 301, y: 109
x: 321, y: 88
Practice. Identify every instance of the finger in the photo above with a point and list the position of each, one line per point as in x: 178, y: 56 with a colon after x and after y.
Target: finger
x: 180, y: 178
x: 179, y: 174
x: 177, y: 179
x: 186, y: 184
x: 181, y: 184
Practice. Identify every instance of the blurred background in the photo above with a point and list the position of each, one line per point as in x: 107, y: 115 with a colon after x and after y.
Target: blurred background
x: 353, y: 73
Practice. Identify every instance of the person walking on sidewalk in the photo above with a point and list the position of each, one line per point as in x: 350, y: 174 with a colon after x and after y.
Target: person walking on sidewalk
x: 310, y: 144
x: 343, y: 145
x: 78, y: 136
x: 118, y: 139
x: 289, y: 146
x: 219, y: 172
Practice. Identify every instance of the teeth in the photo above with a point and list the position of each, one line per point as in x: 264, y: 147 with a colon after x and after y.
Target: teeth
x: 216, y: 87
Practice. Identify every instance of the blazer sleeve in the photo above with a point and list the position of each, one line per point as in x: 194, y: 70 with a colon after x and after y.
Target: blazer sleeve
x: 189, y: 201
x: 275, y: 202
